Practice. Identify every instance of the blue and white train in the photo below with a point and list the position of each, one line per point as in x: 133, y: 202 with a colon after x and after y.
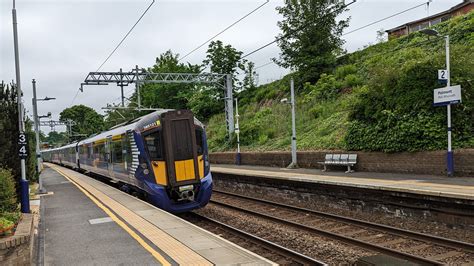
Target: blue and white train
x: 163, y: 154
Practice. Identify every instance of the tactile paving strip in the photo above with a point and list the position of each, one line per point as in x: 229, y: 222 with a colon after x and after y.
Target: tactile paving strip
x: 173, y: 248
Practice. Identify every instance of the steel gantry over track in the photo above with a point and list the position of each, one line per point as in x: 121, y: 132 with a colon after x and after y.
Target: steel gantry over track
x: 139, y: 76
x: 52, y: 124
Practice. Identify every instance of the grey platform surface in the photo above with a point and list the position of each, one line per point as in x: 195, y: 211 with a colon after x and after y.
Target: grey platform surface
x: 451, y: 187
x: 212, y: 248
x: 69, y: 237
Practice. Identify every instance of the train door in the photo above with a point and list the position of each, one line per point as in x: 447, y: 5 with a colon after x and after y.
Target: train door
x: 180, y: 149
x: 108, y: 156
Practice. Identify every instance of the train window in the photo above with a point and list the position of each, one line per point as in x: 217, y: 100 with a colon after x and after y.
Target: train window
x: 101, y: 156
x: 181, y: 140
x: 127, y: 149
x: 117, y: 152
x: 200, y: 148
x: 153, y: 144
x: 91, y: 151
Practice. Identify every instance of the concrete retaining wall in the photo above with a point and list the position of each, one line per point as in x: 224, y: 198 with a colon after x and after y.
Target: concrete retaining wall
x: 17, y: 249
x: 431, y: 162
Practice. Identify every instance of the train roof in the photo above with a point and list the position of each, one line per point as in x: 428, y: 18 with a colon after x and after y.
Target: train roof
x: 135, y: 124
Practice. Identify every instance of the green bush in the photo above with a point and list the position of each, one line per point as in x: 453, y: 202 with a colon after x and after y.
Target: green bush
x: 325, y: 89
x: 5, y: 223
x: 352, y: 80
x: 8, y: 201
x: 342, y: 71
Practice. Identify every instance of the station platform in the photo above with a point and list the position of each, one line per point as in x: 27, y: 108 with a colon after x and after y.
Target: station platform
x: 87, y: 222
x: 446, y: 187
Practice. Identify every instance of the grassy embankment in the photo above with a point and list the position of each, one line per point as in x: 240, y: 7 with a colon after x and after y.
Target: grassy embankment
x: 376, y: 99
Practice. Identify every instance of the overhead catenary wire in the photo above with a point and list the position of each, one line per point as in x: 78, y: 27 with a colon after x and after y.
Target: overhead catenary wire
x: 118, y: 45
x: 380, y: 20
x: 354, y: 30
x: 264, y: 65
x: 126, y: 35
x: 222, y: 31
x: 290, y: 34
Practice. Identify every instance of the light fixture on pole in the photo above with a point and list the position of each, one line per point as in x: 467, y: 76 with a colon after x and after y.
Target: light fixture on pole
x: 294, y: 162
x: 36, y: 119
x: 237, y: 131
x: 449, y: 157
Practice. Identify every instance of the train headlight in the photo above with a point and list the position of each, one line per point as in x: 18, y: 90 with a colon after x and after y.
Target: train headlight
x: 185, y: 188
x: 144, y: 165
x: 146, y: 171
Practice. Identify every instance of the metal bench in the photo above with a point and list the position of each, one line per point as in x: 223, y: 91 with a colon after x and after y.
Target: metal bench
x: 348, y: 160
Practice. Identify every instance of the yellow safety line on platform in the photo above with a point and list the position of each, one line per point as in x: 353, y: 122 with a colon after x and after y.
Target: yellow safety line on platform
x: 176, y: 250
x: 135, y: 236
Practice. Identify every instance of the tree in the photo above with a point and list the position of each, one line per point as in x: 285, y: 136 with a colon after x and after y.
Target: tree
x: 87, y: 120
x: 222, y: 59
x: 311, y: 36
x: 249, y: 81
x: 170, y: 96
x: 9, y: 131
x: 56, y: 139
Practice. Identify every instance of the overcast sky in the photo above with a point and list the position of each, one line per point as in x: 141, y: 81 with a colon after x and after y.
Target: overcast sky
x: 61, y: 41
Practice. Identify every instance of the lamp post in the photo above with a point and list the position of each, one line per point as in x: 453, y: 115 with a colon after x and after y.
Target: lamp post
x: 24, y: 188
x: 237, y: 131
x: 34, y: 100
x: 294, y: 162
x: 449, y: 157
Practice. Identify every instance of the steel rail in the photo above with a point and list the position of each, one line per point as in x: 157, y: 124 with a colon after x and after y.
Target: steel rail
x: 335, y: 236
x: 288, y: 253
x: 450, y: 243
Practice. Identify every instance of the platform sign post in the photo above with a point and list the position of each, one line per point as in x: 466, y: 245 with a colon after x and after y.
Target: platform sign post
x: 24, y: 188
x: 447, y: 96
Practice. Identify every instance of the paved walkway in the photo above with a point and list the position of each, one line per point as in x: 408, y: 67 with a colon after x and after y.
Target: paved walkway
x: 135, y: 232
x: 453, y: 187
x: 77, y: 232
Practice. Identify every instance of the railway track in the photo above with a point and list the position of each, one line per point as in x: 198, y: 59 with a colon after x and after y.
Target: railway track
x: 265, y: 248
x: 408, y: 245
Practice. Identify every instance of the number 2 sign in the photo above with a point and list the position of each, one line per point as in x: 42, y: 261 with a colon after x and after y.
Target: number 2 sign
x: 442, y: 74
x: 22, y: 142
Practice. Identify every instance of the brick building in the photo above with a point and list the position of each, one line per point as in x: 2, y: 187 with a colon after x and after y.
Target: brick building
x: 413, y: 26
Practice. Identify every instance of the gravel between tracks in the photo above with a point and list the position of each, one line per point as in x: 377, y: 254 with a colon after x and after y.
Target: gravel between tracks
x: 331, y: 252
x: 341, y: 208
x: 402, y: 244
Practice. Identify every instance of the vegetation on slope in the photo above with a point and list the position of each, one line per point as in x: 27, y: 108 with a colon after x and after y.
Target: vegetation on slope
x: 377, y: 99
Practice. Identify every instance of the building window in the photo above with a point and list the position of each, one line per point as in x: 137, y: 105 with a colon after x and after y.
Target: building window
x: 435, y: 21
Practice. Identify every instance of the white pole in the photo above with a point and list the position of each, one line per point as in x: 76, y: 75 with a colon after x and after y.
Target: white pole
x: 450, y: 158
x: 294, y: 163
x: 25, y: 201
x: 237, y: 124
x: 41, y: 190
x: 237, y: 131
